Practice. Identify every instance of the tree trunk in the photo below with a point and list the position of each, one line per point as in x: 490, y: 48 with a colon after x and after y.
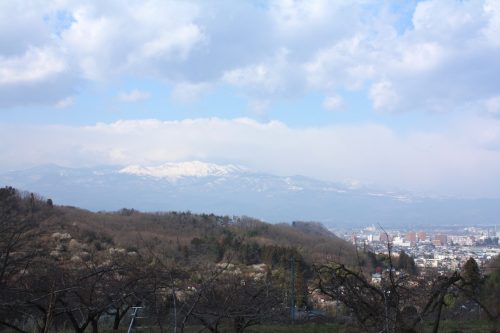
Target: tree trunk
x: 239, y: 324
x: 438, y: 315
x: 116, y: 321
x: 95, y: 326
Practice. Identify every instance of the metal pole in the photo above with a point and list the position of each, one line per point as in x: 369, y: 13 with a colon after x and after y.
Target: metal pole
x: 136, y: 308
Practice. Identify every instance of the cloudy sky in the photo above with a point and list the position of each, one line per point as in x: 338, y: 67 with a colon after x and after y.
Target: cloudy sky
x: 394, y: 94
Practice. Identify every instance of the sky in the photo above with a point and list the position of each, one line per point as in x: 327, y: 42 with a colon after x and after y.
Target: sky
x: 393, y: 94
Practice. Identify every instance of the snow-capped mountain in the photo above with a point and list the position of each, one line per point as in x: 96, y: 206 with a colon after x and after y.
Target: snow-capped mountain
x: 173, y: 171
x: 235, y: 190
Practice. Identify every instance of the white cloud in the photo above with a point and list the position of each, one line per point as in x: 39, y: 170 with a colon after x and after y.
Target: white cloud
x: 23, y: 25
x: 492, y: 30
x: 111, y: 39
x: 492, y: 105
x: 35, y: 65
x: 464, y: 160
x: 334, y: 103
x: 39, y: 76
x: 186, y: 92
x: 179, y: 42
x: 259, y: 106
x: 134, y: 96
x: 256, y: 75
x: 269, y: 78
x: 345, y: 64
x: 65, y: 102
x: 384, y: 96
x: 306, y: 25
x: 264, y: 82
x: 293, y: 16
x: 421, y: 57
x: 444, y: 57
x: 448, y: 58
x: 448, y: 21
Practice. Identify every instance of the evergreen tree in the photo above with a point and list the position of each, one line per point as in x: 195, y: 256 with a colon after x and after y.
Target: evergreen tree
x: 407, y: 263
x: 471, y: 273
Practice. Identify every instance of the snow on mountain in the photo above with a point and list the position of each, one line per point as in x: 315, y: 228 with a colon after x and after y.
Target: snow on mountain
x: 174, y: 171
x: 234, y: 190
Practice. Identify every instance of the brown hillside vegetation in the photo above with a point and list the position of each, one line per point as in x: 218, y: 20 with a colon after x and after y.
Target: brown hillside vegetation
x: 64, y: 268
x: 68, y: 266
x: 129, y: 228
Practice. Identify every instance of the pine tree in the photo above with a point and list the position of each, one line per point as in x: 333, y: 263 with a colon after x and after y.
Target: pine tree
x: 470, y: 273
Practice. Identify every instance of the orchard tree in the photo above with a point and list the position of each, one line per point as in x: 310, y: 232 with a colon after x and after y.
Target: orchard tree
x: 18, y: 248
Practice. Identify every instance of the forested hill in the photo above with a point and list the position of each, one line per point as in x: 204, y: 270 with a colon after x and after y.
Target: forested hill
x: 182, y: 235
x: 63, y: 265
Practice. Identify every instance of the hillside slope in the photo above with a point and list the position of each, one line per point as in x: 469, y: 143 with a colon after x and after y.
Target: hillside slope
x: 207, y: 236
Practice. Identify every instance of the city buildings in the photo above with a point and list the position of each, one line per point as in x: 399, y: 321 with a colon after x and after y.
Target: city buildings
x: 440, y: 248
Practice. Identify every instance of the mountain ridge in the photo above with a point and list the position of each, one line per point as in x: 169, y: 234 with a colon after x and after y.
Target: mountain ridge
x: 235, y: 190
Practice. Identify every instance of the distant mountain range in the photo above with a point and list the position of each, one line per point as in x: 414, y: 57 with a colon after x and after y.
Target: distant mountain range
x: 234, y: 190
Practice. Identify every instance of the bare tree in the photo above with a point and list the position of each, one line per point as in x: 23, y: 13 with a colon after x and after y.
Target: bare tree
x: 18, y: 230
x: 94, y: 287
x: 238, y: 301
x: 398, y: 304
